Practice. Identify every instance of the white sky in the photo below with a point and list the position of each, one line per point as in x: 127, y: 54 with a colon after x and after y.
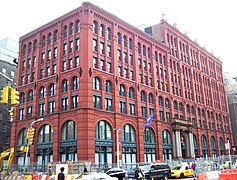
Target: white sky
x: 211, y: 22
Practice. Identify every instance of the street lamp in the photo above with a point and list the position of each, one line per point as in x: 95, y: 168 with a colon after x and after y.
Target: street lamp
x: 117, y: 142
x: 28, y: 142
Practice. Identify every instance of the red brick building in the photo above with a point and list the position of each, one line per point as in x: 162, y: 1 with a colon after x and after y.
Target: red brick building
x: 88, y: 73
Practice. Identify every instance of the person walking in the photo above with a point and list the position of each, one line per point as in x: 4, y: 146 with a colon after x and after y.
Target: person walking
x: 50, y: 171
x: 61, y: 175
x: 194, y: 168
x: 138, y: 173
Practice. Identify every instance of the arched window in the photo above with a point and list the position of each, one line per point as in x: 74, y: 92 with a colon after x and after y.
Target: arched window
x: 187, y: 108
x: 125, y: 41
x: 167, y: 103
x: 180, y: 106
x: 204, y: 145
x: 119, y: 38
x: 222, y: 149
x: 29, y: 47
x: 74, y: 83
x: 192, y: 109
x: 77, y: 26
x: 108, y: 86
x: 69, y: 131
x: 22, y: 98
x: 128, y: 134
x: 102, y: 30
x: 103, y: 131
x: 64, y: 85
x: 143, y: 96
x: 166, y: 137
x: 56, y: 36
x: 131, y: 93
x: 122, y: 91
x: 144, y: 50
x: 204, y: 140
x: 95, y: 27
x: 24, y: 50
x: 71, y: 29
x: 96, y: 83
x: 149, y: 52
x: 149, y: 136
x: 160, y: 100
x: 52, y: 89
x: 139, y: 48
x: 30, y: 96
x: 130, y: 43
x: 65, y: 31
x: 149, y: 145
x: 42, y: 92
x: 108, y: 33
x: 150, y: 97
x: 35, y: 45
x: 213, y: 142
x: 203, y: 113
x: 22, y: 137
x: 175, y: 105
x: 45, y: 134
x: 43, y: 41
x: 49, y: 38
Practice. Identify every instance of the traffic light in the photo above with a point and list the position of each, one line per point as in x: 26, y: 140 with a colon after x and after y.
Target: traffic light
x: 23, y: 149
x: 31, y: 136
x: 5, y: 95
x: 11, y: 112
x: 14, y: 96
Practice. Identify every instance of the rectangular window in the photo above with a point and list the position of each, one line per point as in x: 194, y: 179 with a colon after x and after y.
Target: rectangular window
x: 51, y: 107
x: 29, y: 62
x: 34, y: 61
x: 41, y: 73
x: 70, y: 46
x: 125, y: 57
x: 151, y: 111
x: 109, y: 51
x: 48, y: 71
x: 77, y: 61
x: 64, y: 103
x: 77, y: 44
x: 149, y: 67
x: 95, y: 45
x: 144, y: 65
x: 74, y: 101
x: 54, y: 68
x: 109, y: 67
x: 55, y: 52
x: 168, y: 116
x: 140, y: 63
x: 70, y: 63
x: 143, y: 109
x: 29, y: 111
x: 140, y: 78
x: 102, y: 64
x: 132, y: 109
x: 65, y: 49
x: 95, y: 65
x: 119, y: 71
x: 41, y: 109
x: 43, y: 58
x: 125, y: 72
x: 119, y: 55
x: 97, y: 101
x: 102, y: 48
x: 108, y: 104
x: 21, y: 114
x: 161, y: 115
x: 131, y: 59
x: 32, y: 76
x: 49, y: 55
x: 122, y: 107
x: 151, y: 81
x: 64, y: 65
x: 131, y: 75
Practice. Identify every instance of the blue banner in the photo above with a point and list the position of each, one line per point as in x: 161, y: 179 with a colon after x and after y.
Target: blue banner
x: 149, y: 121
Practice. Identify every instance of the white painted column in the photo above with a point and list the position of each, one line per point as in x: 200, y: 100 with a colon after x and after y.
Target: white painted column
x: 191, y: 145
x: 178, y: 144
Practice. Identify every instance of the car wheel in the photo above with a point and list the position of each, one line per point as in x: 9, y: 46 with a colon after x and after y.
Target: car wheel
x: 165, y: 177
x: 181, y: 175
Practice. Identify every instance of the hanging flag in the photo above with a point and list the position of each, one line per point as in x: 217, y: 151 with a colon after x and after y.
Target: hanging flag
x: 149, y: 121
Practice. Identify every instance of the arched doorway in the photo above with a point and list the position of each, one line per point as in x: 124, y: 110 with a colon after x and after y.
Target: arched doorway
x: 166, y: 145
x: 195, y: 144
x: 149, y: 145
x: 213, y: 146
x: 222, y: 149
x: 103, y: 143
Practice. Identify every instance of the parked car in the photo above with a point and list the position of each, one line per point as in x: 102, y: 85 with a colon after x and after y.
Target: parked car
x: 97, y: 176
x: 182, y: 171
x: 117, y: 172
x: 154, y: 170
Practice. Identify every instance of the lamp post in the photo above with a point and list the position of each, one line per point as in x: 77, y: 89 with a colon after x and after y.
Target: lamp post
x: 117, y: 143
x: 28, y: 142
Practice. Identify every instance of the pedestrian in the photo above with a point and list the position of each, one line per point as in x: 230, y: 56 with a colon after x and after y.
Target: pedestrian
x: 50, y: 171
x: 138, y: 173
x: 85, y: 170
x: 61, y: 174
x: 194, y: 168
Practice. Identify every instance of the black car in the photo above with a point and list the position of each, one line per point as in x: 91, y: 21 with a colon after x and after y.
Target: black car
x: 117, y: 172
x: 155, y: 170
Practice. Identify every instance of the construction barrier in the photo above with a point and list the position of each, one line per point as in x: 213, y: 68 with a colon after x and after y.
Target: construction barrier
x: 212, y: 175
x: 202, y: 176
x: 11, y: 177
x: 34, y: 177
x: 228, y: 176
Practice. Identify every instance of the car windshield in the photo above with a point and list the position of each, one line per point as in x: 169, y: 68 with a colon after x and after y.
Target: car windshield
x: 145, y: 168
x: 177, y: 168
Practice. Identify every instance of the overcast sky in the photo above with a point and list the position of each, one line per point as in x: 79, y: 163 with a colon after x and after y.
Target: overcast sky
x: 211, y: 22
